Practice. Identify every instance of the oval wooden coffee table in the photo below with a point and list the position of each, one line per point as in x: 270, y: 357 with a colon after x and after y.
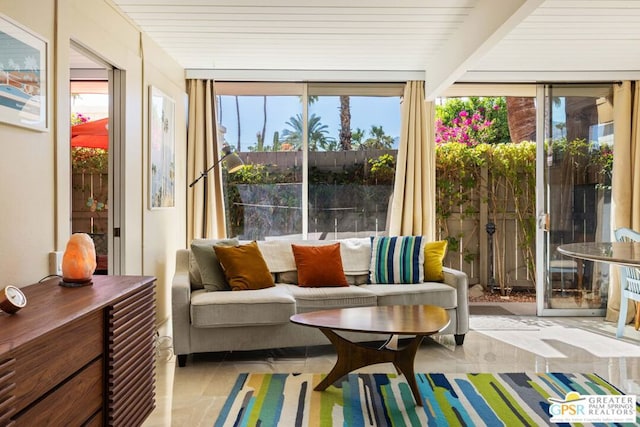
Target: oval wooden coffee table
x: 418, y: 320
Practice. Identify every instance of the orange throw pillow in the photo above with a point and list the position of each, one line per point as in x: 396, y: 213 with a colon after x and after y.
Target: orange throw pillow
x: 244, y: 267
x: 319, y: 266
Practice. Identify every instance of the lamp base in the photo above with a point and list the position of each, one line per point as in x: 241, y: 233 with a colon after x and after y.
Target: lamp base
x: 75, y: 283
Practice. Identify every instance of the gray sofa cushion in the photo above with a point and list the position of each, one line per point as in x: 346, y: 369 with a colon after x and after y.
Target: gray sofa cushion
x: 310, y: 299
x: 270, y: 306
x: 209, y: 267
x: 291, y: 277
x: 432, y: 293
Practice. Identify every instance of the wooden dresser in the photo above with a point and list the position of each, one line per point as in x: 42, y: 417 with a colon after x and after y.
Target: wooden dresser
x: 80, y: 356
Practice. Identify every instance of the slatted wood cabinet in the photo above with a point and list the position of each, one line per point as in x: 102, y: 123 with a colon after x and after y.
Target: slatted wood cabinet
x: 80, y: 356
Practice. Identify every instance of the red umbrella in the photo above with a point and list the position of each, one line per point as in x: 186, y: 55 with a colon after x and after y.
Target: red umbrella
x: 91, y: 134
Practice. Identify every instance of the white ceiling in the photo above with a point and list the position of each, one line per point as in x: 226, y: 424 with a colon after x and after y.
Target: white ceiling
x: 450, y: 40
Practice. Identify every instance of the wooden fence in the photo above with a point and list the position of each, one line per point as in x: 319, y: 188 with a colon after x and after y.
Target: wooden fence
x: 89, y: 206
x: 477, y: 247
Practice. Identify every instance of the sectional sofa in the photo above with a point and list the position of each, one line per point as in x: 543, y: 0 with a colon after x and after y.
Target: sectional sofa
x: 208, y: 318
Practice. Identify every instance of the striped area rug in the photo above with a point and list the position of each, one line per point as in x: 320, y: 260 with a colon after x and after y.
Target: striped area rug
x: 509, y: 399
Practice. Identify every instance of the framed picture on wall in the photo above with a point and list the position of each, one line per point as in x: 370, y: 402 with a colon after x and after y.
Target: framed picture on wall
x: 161, y: 150
x: 23, y: 76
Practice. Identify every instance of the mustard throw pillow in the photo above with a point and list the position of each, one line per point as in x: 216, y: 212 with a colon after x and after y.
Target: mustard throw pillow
x: 244, y: 267
x: 434, y: 253
x: 319, y: 266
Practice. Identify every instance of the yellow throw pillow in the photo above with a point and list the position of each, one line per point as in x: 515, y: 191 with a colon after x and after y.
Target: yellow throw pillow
x: 244, y: 267
x: 434, y: 253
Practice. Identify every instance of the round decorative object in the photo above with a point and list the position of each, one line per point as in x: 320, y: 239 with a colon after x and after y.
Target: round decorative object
x: 12, y: 299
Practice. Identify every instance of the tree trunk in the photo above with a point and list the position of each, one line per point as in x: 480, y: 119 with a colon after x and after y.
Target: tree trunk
x: 238, y: 115
x: 582, y: 113
x: 264, y: 122
x: 345, y: 123
x: 521, y: 118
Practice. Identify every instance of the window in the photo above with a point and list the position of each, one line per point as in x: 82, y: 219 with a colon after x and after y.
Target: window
x: 333, y: 182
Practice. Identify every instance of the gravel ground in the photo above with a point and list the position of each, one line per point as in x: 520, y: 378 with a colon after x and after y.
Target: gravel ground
x: 514, y: 296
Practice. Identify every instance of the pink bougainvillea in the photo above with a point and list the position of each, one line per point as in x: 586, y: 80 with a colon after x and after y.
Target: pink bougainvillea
x: 78, y: 118
x: 466, y: 129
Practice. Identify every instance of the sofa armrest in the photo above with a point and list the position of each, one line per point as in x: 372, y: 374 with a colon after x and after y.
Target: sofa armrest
x: 459, y: 280
x: 181, y: 302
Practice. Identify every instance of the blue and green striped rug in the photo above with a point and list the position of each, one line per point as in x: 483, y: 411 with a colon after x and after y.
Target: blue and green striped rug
x: 506, y: 399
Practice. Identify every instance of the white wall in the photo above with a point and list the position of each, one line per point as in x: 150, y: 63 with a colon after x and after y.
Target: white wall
x: 164, y: 230
x: 35, y: 166
x: 27, y: 189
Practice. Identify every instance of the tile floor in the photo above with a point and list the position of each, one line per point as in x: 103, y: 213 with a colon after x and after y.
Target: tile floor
x: 193, y: 395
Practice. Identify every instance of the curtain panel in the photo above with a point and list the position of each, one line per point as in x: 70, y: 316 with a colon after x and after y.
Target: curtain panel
x: 205, y: 215
x: 413, y: 200
x: 625, y: 190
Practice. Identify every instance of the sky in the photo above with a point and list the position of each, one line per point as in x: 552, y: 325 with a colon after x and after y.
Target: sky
x: 365, y: 112
x: 93, y: 106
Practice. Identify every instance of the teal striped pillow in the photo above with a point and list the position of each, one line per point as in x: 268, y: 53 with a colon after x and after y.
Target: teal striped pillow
x: 397, y: 259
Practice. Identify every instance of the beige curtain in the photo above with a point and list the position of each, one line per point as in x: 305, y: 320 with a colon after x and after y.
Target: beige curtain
x: 626, y: 177
x: 202, y: 152
x: 413, y: 202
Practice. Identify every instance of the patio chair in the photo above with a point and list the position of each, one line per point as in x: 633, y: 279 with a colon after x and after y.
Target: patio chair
x: 629, y: 282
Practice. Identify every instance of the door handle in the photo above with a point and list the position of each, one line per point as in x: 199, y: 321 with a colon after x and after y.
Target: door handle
x: 543, y: 221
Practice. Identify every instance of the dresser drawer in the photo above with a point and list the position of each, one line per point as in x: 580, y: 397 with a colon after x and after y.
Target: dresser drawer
x: 48, y: 360
x: 72, y: 404
x: 7, y: 390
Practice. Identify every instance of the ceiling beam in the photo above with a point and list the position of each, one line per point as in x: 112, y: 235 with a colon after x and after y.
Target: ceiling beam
x: 290, y: 75
x: 485, y: 26
x: 546, y: 76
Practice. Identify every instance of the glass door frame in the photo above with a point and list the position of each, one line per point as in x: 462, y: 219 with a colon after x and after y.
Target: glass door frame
x: 544, y: 103
x: 541, y: 210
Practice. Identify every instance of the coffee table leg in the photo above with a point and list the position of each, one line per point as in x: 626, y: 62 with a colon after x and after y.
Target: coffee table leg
x: 404, y: 362
x: 352, y: 356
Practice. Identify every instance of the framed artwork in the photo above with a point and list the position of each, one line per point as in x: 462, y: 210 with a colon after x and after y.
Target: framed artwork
x: 161, y: 150
x: 23, y: 76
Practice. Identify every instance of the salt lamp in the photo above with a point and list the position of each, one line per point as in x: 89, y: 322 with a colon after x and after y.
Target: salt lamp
x: 78, y: 261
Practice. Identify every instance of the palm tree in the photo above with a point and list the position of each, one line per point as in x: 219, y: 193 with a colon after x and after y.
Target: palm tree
x: 317, y: 132
x: 357, y: 137
x: 379, y: 140
x: 329, y: 144
x: 264, y: 122
x: 521, y: 118
x: 345, y: 123
x: 238, y: 149
x: 293, y: 136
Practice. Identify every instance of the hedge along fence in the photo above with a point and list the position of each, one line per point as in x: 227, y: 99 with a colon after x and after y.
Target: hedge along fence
x: 486, y: 183
x: 348, y: 194
x: 482, y: 184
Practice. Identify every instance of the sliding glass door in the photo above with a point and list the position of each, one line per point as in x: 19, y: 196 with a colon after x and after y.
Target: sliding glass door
x: 575, y: 155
